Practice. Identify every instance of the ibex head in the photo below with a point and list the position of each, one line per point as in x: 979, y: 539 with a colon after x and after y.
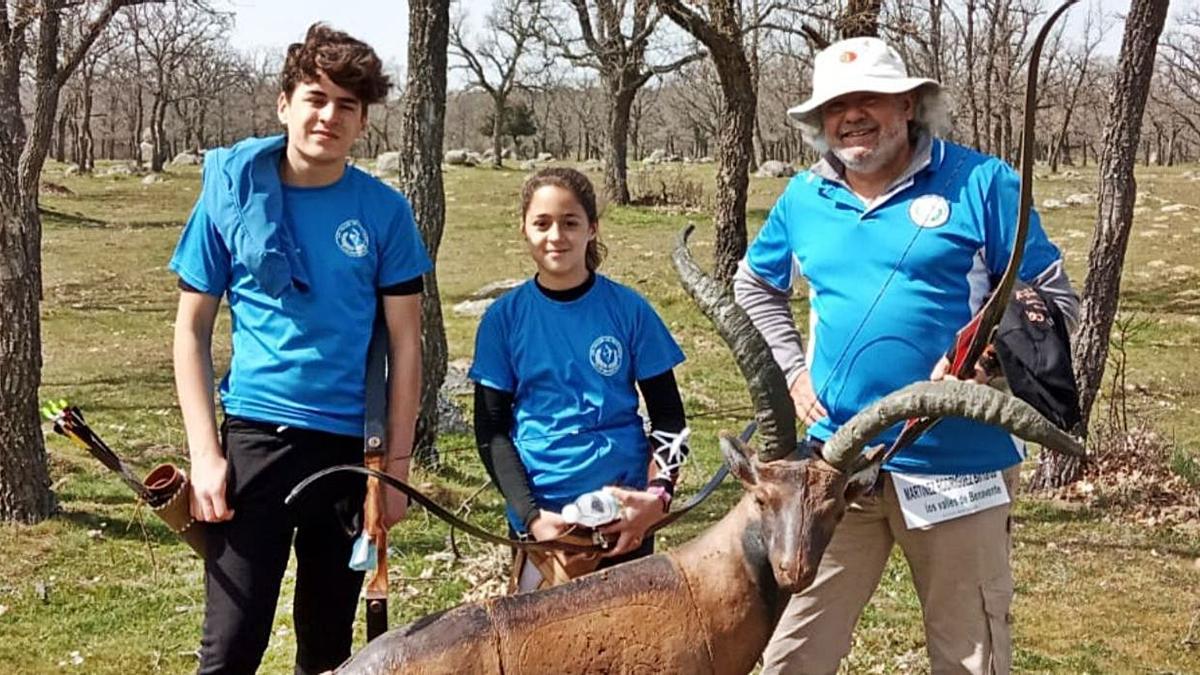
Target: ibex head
x: 801, y: 495
x: 799, y: 501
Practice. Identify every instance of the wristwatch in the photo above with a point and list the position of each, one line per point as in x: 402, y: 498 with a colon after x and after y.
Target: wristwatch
x: 663, y: 496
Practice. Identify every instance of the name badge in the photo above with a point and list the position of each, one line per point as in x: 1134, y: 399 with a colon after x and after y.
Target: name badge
x: 927, y: 500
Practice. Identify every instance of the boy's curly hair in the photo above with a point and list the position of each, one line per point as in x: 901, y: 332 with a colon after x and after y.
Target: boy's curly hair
x: 351, y: 64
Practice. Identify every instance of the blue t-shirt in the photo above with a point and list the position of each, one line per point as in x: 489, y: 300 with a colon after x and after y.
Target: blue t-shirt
x: 572, y: 368
x: 890, y: 286
x: 300, y: 359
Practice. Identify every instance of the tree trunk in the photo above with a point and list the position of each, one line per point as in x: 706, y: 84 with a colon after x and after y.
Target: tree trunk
x: 498, y: 104
x: 616, y: 174
x: 25, y: 494
x: 1117, y: 191
x: 861, y: 19
x: 159, y: 115
x: 722, y: 35
x: 735, y: 151
x: 421, y: 134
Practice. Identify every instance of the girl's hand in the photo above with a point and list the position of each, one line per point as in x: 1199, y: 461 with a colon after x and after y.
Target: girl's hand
x: 639, y: 510
x: 548, y: 525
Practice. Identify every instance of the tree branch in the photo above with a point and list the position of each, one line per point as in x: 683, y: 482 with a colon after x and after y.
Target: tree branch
x: 90, y: 34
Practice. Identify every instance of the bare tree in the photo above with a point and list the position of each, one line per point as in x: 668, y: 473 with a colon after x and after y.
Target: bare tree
x: 422, y: 130
x: 502, y: 58
x: 1117, y: 191
x: 167, y: 36
x: 204, y: 81
x: 1079, y: 66
x: 25, y: 494
x: 720, y: 26
x: 619, y: 55
x: 1181, y: 72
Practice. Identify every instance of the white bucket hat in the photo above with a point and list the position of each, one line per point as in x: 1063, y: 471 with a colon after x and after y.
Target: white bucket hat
x: 857, y: 64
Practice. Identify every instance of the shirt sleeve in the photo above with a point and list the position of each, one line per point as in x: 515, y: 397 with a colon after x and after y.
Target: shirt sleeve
x: 402, y: 252
x: 770, y: 255
x: 1000, y: 228
x: 492, y: 366
x: 201, y: 258
x: 654, y: 348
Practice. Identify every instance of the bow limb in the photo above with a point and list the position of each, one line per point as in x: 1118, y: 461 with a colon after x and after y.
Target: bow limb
x: 375, y: 596
x: 973, y: 339
x: 375, y: 416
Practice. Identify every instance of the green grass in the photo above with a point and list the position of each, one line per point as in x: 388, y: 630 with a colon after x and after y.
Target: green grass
x: 105, y: 583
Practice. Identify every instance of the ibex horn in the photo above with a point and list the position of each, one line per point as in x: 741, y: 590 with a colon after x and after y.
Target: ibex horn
x: 945, y: 399
x: 768, y: 387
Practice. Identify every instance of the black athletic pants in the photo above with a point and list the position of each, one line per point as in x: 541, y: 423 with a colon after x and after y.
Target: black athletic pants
x: 247, y: 555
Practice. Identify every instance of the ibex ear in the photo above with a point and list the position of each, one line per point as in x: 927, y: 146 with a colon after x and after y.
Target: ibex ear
x: 740, y: 458
x: 862, y: 480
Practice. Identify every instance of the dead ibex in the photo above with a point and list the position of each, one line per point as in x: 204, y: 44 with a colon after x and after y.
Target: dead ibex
x: 711, y: 605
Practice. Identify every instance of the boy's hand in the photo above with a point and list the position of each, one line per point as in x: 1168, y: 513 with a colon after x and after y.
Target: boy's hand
x: 208, y: 488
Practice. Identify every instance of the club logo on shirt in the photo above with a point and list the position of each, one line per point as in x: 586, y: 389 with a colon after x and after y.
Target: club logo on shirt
x: 352, y: 238
x: 929, y: 211
x: 605, y: 355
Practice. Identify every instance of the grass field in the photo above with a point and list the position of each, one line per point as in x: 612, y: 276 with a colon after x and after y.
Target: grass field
x: 103, y: 588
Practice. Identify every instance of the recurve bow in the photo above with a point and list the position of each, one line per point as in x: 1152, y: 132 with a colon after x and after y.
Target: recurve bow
x: 973, y: 338
x: 375, y: 598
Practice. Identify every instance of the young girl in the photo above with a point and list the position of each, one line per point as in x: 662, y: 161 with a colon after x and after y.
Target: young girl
x: 557, y: 360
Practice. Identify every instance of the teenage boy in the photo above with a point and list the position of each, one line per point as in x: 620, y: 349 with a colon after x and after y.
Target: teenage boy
x: 304, y: 248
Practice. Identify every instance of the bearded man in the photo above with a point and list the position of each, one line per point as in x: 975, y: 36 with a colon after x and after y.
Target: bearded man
x: 900, y: 235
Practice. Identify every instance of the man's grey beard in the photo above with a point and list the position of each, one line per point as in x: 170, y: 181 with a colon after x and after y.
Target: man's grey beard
x: 858, y: 160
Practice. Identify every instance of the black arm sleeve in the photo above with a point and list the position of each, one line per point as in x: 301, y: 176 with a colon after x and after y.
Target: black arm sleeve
x: 493, y: 425
x: 665, y: 408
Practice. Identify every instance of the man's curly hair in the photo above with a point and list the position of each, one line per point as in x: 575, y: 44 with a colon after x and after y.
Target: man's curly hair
x: 351, y: 64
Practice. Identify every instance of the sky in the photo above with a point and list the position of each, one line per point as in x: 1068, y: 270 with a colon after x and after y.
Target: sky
x: 383, y: 24
x: 273, y: 24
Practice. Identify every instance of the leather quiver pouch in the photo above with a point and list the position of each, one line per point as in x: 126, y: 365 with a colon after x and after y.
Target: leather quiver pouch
x: 170, y: 500
x: 558, y: 567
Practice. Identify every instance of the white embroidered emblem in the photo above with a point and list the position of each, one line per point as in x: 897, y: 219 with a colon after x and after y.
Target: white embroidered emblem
x: 605, y: 355
x: 352, y: 238
x: 929, y: 211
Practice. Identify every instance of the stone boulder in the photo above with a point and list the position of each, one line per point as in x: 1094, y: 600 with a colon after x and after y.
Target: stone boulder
x: 472, y: 308
x: 153, y: 178
x: 456, y: 157
x: 773, y: 168
x: 657, y: 157
x: 1052, y: 204
x: 388, y: 162
x: 495, y: 289
x: 1081, y: 199
x: 121, y: 169
x: 545, y: 157
x: 186, y: 159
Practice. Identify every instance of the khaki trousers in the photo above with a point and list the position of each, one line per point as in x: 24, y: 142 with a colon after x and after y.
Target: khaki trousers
x: 962, y: 575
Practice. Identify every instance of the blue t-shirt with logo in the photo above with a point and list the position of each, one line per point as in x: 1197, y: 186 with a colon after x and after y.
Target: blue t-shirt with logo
x: 300, y: 359
x: 889, y: 287
x: 572, y: 368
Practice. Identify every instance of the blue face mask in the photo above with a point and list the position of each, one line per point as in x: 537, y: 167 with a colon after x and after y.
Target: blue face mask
x: 362, y: 557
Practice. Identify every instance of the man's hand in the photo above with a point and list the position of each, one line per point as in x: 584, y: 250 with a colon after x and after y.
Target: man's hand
x: 941, y: 371
x: 808, y: 409
x: 639, y: 510
x: 208, y: 488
